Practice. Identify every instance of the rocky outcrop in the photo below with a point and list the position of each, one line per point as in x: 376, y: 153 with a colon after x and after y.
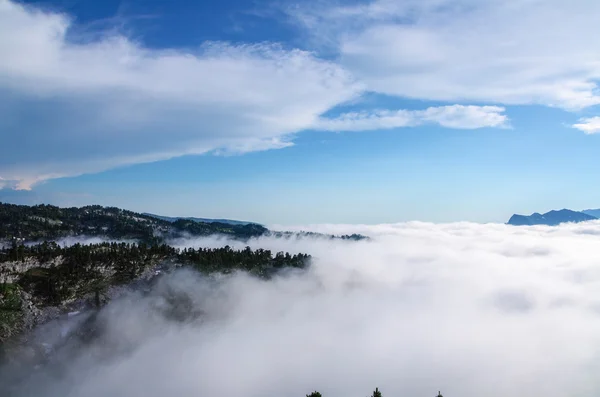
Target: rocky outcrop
x: 12, y: 270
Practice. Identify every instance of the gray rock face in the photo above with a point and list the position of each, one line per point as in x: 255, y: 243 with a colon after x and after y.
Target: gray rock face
x: 11, y: 271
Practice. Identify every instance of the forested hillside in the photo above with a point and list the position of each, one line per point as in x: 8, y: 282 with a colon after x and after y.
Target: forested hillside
x: 47, y: 222
x: 40, y: 276
x: 51, y: 275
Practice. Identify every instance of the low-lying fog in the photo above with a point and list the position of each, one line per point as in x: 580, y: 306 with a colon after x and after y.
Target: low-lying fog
x: 468, y: 309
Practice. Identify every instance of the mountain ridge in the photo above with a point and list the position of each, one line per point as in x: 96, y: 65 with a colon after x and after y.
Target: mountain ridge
x: 22, y: 223
x: 201, y: 220
x: 47, y: 222
x: 553, y: 218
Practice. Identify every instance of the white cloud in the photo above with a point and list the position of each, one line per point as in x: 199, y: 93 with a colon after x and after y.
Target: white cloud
x: 4, y: 184
x: 73, y: 107
x: 420, y: 308
x: 69, y: 108
x: 589, y: 125
x: 455, y: 116
x: 508, y: 52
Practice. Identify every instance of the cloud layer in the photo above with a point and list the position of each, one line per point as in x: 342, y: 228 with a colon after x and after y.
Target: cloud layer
x: 509, y: 52
x: 69, y: 108
x: 464, y: 308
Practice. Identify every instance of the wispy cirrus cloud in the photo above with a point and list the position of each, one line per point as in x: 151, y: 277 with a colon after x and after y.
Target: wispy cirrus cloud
x: 454, y: 116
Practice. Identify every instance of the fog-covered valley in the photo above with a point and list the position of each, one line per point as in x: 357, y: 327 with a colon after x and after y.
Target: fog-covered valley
x: 468, y: 309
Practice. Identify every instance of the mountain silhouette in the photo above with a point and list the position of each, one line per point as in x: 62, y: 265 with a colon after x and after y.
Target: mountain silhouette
x: 553, y: 218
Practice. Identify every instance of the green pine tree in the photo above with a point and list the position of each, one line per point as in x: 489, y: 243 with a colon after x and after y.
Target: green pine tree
x: 376, y: 393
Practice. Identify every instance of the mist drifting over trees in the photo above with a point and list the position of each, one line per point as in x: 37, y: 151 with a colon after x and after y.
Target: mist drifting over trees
x: 418, y: 307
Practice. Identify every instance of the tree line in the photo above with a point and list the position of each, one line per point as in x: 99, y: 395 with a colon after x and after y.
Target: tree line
x: 63, y: 273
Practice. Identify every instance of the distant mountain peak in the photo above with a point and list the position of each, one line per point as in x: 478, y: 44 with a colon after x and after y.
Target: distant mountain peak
x: 592, y: 212
x: 553, y: 218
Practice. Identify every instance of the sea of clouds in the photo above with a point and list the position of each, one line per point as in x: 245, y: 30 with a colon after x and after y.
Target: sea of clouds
x: 468, y: 309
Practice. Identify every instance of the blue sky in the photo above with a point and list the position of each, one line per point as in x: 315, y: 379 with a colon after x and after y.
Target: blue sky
x: 309, y: 112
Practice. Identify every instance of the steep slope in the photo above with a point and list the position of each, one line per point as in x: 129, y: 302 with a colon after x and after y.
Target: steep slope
x: 524, y: 220
x: 41, y: 281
